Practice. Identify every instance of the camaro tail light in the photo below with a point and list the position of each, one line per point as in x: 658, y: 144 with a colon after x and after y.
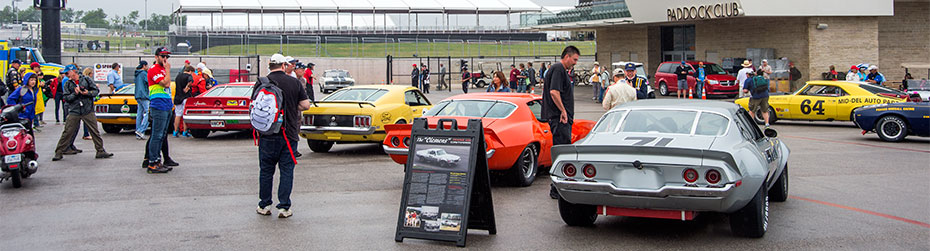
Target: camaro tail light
x: 11, y: 144
x: 362, y: 121
x: 395, y: 141
x: 712, y: 176
x: 569, y: 170
x: 589, y: 171
x: 406, y: 141
x: 101, y: 108
x: 690, y: 175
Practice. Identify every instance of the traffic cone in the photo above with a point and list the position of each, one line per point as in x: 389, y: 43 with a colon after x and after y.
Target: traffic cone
x: 689, y: 94
x: 703, y: 94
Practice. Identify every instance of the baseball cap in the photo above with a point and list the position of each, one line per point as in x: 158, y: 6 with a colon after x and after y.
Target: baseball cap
x: 618, y: 72
x: 201, y: 66
x: 290, y: 59
x: 278, y: 59
x: 70, y: 67
x: 187, y: 61
x: 630, y: 67
x: 873, y: 67
x: 310, y: 64
x: 16, y: 61
x: 142, y: 63
x: 854, y: 67
x: 596, y: 63
x: 162, y: 51
x: 34, y: 65
x: 683, y: 62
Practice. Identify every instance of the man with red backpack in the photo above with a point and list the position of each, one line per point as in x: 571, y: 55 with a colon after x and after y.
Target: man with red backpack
x: 277, y: 95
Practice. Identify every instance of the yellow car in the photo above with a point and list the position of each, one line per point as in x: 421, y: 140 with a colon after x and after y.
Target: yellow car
x: 117, y: 111
x: 358, y: 114
x: 826, y: 100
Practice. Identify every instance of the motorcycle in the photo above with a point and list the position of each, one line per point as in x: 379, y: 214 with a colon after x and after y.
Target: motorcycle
x: 17, y: 146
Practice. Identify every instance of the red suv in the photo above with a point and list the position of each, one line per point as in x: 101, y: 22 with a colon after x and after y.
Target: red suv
x: 718, y: 81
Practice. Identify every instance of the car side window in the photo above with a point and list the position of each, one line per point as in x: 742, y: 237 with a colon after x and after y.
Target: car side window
x: 415, y: 98
x: 665, y: 68
x: 813, y: 90
x: 536, y: 108
x: 754, y: 133
x: 23, y: 55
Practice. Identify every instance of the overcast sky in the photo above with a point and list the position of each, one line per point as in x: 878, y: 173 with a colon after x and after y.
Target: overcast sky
x: 123, y: 7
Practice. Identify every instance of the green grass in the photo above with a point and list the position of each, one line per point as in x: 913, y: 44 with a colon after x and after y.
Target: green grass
x: 437, y: 49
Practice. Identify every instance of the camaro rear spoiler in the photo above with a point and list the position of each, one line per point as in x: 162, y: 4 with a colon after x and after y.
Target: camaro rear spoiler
x: 646, y: 150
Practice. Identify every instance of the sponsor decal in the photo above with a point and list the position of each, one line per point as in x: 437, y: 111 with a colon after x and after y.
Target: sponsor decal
x: 124, y: 109
x: 232, y: 103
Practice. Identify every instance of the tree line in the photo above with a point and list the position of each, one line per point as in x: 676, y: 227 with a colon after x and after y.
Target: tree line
x: 94, y: 18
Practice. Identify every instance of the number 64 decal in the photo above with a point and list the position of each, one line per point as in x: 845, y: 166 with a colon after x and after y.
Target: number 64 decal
x: 646, y: 140
x: 806, y: 107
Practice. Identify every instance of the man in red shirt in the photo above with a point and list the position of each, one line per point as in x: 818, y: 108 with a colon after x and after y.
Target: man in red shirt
x: 513, y: 77
x: 309, y: 76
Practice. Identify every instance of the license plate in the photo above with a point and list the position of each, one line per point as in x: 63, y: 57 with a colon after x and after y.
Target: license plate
x: 13, y: 159
x: 217, y: 123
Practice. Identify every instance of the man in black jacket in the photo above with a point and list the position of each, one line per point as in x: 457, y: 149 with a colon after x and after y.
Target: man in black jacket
x: 79, y: 93
x: 683, y: 71
x: 415, y: 76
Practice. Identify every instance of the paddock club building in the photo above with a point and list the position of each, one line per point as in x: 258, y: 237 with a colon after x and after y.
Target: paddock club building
x: 812, y: 34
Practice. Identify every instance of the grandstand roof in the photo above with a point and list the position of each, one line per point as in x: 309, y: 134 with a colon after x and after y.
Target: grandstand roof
x: 359, y: 6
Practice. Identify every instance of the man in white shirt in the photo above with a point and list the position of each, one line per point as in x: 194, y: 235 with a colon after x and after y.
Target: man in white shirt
x: 621, y: 91
x: 742, y: 75
x: 766, y: 68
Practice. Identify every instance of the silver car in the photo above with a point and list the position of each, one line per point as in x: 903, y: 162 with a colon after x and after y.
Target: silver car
x: 438, y: 156
x: 334, y: 80
x: 673, y: 159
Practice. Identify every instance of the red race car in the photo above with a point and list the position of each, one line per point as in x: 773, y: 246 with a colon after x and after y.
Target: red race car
x: 518, y: 141
x: 222, y: 108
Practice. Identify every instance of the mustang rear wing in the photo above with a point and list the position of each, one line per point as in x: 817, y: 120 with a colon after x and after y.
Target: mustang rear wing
x: 360, y: 103
x: 647, y: 150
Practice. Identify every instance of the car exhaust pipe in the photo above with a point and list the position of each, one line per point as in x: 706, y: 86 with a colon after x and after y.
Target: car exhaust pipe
x: 33, y: 166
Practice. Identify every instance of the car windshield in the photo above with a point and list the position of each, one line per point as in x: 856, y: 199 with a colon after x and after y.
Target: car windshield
x: 39, y: 57
x: 129, y: 89
x: 875, y: 89
x: 918, y: 85
x: 713, y: 69
x: 440, y: 152
x: 229, y: 91
x: 472, y: 108
x: 658, y: 121
x: 336, y: 74
x: 357, y: 94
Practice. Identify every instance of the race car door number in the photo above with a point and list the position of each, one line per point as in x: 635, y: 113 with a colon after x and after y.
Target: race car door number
x: 217, y: 123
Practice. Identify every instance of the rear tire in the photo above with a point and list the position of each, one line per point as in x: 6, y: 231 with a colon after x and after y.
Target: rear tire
x: 198, y: 133
x: 761, y: 120
x: 523, y: 172
x: 753, y: 219
x: 891, y: 128
x: 480, y: 84
x: 17, y: 178
x: 111, y: 129
x: 663, y: 89
x: 319, y: 145
x: 779, y: 192
x: 577, y: 215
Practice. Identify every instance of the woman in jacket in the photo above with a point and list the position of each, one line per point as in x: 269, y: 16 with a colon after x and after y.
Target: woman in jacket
x: 26, y: 94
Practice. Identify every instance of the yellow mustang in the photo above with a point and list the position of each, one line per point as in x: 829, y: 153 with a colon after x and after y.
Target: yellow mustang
x: 358, y: 114
x: 826, y: 100
x: 117, y: 111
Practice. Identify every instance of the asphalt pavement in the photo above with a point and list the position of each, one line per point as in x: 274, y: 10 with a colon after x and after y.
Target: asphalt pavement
x: 848, y: 191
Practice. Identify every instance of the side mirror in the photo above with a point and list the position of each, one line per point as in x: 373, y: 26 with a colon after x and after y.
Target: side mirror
x: 769, y: 132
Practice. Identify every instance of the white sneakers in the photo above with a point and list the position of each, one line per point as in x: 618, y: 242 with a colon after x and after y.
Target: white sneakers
x: 264, y: 211
x: 282, y: 213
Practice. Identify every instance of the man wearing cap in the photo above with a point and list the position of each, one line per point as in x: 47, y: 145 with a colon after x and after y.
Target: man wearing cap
x: 766, y: 68
x: 13, y: 76
x: 79, y: 93
x: 853, y: 74
x: 114, y: 78
x: 415, y: 76
x: 160, y: 105
x: 875, y: 77
x: 744, y: 73
x: 424, y: 79
x: 682, y: 72
x: 863, y: 72
x: 275, y: 150
x: 290, y: 66
x: 142, y: 99
x: 621, y: 91
x: 309, y: 85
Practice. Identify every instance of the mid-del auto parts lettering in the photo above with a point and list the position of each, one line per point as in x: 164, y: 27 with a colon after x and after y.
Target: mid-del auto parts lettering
x: 710, y: 11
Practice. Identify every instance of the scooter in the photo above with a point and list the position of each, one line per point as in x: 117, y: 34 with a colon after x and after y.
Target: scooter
x: 17, y: 147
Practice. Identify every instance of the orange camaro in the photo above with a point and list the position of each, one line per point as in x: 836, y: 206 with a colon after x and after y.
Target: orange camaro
x: 518, y: 140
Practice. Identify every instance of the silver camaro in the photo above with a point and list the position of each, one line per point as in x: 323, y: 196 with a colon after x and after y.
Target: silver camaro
x: 673, y: 159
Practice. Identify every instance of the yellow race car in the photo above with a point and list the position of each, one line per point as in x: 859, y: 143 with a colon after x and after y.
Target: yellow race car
x: 358, y: 114
x: 826, y: 100
x: 117, y: 111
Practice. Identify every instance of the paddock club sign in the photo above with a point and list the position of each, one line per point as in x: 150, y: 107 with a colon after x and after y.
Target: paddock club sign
x: 704, y: 12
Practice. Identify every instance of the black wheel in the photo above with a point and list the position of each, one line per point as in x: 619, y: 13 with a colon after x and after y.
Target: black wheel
x: 112, y: 129
x: 401, y: 122
x: 761, y: 120
x: 481, y: 84
x: 652, y: 95
x: 663, y: 89
x: 891, y: 128
x: 523, y: 172
x: 753, y: 219
x: 200, y: 134
x: 319, y: 145
x: 779, y: 192
x: 577, y: 214
x: 17, y: 178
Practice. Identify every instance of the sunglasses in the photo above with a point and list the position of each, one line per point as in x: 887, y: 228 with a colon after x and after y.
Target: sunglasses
x: 165, y: 56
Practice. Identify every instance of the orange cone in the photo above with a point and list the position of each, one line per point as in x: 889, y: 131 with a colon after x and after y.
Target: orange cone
x: 689, y: 94
x: 703, y: 94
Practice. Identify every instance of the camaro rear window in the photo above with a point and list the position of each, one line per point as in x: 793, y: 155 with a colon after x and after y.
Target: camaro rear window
x: 370, y: 95
x: 711, y: 124
x: 659, y: 121
x: 229, y: 91
x: 472, y: 108
x: 129, y: 89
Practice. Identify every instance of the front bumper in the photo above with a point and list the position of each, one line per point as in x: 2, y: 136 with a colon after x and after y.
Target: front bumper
x: 666, y: 197
x: 114, y: 115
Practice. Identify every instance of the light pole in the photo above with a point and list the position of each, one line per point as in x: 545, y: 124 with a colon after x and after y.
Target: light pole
x: 146, y: 24
x: 15, y: 13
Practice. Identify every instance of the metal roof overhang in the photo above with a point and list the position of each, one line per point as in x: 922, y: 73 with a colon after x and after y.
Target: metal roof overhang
x: 359, y: 6
x: 591, y: 24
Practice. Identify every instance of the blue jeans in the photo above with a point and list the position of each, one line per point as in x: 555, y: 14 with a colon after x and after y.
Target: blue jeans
x: 273, y: 150
x: 142, y: 115
x: 160, y: 121
x: 521, y: 88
